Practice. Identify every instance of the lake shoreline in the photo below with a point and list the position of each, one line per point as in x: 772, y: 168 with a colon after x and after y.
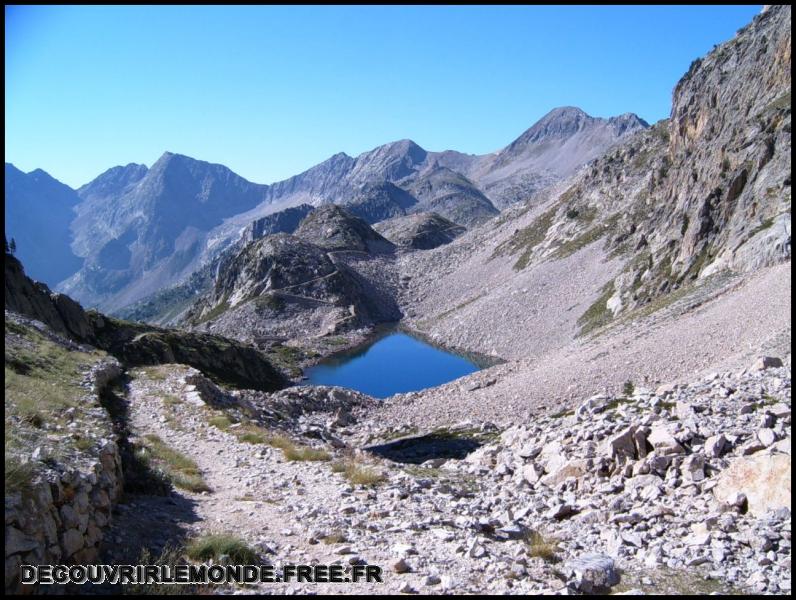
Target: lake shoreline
x: 335, y: 368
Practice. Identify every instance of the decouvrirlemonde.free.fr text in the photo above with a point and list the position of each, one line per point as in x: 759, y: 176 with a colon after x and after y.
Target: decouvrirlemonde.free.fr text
x: 197, y: 574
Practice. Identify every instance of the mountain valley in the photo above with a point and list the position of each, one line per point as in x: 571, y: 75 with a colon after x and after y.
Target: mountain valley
x: 627, y: 285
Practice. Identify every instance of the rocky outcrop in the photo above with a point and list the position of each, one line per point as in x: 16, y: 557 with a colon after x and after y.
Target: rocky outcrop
x: 282, y: 284
x: 764, y: 480
x: 422, y: 231
x: 333, y: 228
x: 136, y: 343
x: 375, y: 202
x: 284, y: 221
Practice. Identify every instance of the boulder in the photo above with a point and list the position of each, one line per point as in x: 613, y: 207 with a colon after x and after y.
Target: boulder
x: 766, y: 362
x: 574, y: 468
x: 591, y: 573
x: 764, y: 479
x: 664, y: 442
x: 622, y: 444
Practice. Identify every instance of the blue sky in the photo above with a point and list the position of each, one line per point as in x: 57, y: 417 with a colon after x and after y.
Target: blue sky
x: 271, y: 91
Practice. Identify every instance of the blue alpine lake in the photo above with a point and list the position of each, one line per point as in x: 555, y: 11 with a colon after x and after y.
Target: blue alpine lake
x: 392, y: 364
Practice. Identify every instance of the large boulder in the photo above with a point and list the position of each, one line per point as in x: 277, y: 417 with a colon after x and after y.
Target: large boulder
x: 763, y: 478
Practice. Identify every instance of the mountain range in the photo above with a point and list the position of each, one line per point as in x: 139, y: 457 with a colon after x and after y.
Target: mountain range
x: 134, y: 230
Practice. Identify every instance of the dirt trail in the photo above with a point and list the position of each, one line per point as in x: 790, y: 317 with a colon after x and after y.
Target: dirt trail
x: 275, y: 505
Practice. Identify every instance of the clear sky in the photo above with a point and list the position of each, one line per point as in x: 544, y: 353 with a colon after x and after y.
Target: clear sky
x: 271, y: 91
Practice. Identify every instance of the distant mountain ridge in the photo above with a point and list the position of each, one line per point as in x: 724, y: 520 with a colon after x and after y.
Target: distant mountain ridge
x: 137, y: 230
x: 38, y: 211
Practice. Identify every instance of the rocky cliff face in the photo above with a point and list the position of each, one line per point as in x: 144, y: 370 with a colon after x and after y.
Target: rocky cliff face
x: 136, y: 344
x: 708, y: 189
x: 284, y: 221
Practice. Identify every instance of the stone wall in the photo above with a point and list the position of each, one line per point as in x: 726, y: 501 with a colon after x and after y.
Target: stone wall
x: 60, y: 517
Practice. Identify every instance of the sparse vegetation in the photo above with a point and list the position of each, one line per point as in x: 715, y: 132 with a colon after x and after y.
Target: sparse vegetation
x: 358, y: 474
x: 43, y: 388
x: 269, y: 301
x: 459, y: 307
x: 526, y: 239
x: 215, y: 312
x: 598, y: 314
x: 18, y: 475
x: 628, y: 388
x: 171, y: 556
x: 222, y: 422
x: 538, y: 546
x: 569, y: 247
x: 305, y: 453
x: 336, y: 537
x: 563, y: 413
x: 180, y: 470
x: 212, y: 547
x: 295, y: 452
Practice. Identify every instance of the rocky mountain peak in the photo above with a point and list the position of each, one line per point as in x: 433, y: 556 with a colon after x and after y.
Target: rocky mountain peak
x: 114, y: 181
x: 560, y: 122
x: 627, y: 123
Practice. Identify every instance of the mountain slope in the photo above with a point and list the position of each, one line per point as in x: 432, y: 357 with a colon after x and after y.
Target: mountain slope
x: 140, y: 231
x: 38, y: 210
x: 674, y: 214
x: 553, y: 148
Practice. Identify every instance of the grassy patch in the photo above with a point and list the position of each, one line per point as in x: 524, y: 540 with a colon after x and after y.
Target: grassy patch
x: 423, y: 472
x: 176, y: 467
x: 526, y: 239
x: 214, y: 546
x: 42, y: 378
x: 296, y: 452
x: 660, y: 302
x: 357, y: 474
x: 613, y: 404
x: 43, y: 389
x: 215, y: 312
x: 222, y: 422
x: 336, y: 537
x: 569, y: 247
x: 628, y: 388
x: 305, y: 453
x: 538, y: 546
x: 18, y: 475
x: 598, y: 314
x: 251, y: 434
